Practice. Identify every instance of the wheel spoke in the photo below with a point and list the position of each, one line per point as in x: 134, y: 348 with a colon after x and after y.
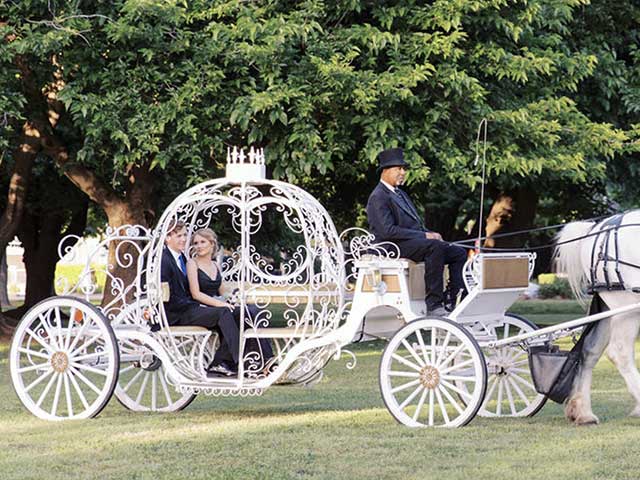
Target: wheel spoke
x: 431, y: 405
x: 89, y: 356
x: 491, y: 389
x: 72, y: 316
x: 434, y: 336
x: 412, y: 352
x: 56, y: 395
x: 86, y: 344
x: 443, y: 408
x: 87, y: 368
x: 163, y: 382
x: 39, y: 379
x: 522, y: 381
x: 406, y: 362
x: 133, y: 379
x: 443, y: 349
x: 33, y: 367
x: 127, y: 368
x: 79, y: 335
x: 410, y: 397
x: 512, y: 404
x: 46, y: 389
x: 59, y: 326
x: 67, y: 394
x: 452, y: 400
x: 404, y: 386
x: 142, y: 387
x: 393, y: 373
x: 85, y: 380
x: 78, y: 390
x: 45, y: 324
x: 457, y: 366
x: 453, y: 355
x: 41, y: 341
x: 416, y: 414
x: 499, y: 400
x: 154, y: 386
x: 458, y: 378
x: 450, y: 386
x: 519, y: 391
x: 34, y: 353
x: 422, y: 347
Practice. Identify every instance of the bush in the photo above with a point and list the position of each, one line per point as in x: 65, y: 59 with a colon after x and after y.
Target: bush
x: 559, y: 288
x: 71, y: 273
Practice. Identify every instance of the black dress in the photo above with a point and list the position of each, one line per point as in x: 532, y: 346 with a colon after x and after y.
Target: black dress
x: 255, y: 353
x: 209, y: 286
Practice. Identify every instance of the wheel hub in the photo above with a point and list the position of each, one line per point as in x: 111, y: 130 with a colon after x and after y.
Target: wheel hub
x: 429, y: 377
x: 59, y: 362
x: 150, y: 363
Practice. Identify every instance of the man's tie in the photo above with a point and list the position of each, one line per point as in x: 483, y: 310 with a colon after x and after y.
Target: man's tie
x: 409, y: 205
x: 183, y: 264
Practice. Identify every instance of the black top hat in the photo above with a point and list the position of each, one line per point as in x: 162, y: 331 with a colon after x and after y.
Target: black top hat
x: 392, y: 157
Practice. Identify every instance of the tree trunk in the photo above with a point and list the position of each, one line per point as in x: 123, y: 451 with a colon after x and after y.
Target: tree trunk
x: 4, y: 281
x: 24, y: 156
x: 40, y: 236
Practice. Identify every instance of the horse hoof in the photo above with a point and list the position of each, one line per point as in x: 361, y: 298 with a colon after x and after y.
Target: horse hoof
x: 635, y: 412
x: 586, y: 420
x: 570, y: 411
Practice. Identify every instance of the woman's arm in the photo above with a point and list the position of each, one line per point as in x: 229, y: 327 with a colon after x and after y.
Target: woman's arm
x: 194, y: 288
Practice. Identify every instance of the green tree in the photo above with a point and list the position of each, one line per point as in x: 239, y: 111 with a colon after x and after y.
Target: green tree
x: 121, y: 94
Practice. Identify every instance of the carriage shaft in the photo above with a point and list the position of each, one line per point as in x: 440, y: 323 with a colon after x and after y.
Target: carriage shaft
x: 578, y: 322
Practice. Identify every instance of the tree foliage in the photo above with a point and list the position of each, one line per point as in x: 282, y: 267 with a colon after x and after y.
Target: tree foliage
x: 143, y: 97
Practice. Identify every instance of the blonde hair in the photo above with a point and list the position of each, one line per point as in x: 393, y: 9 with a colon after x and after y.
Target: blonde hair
x: 209, y: 235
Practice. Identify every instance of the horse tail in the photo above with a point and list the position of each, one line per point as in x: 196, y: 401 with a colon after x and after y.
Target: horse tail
x: 568, y: 257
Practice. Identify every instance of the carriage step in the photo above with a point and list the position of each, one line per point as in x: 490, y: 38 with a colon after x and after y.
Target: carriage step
x: 276, y: 333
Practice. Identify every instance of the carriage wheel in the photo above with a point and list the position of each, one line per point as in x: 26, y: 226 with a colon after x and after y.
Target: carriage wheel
x: 142, y: 384
x: 420, y: 369
x: 64, y: 359
x: 510, y: 391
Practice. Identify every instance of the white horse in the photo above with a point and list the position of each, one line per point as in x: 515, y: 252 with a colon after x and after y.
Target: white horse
x: 616, y: 334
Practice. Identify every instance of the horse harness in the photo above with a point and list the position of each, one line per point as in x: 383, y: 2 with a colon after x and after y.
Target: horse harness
x: 601, y: 257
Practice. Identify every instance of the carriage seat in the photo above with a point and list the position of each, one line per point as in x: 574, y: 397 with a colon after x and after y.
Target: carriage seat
x: 390, y: 269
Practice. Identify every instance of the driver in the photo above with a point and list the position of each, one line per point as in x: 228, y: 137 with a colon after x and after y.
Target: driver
x: 394, y: 218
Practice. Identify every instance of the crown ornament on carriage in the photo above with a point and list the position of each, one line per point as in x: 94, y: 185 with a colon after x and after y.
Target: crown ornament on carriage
x: 245, y: 167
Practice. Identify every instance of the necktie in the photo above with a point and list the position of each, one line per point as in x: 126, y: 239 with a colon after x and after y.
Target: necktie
x: 409, y: 205
x: 183, y: 263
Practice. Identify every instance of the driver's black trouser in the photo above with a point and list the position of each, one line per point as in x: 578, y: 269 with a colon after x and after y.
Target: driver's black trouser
x: 436, y: 254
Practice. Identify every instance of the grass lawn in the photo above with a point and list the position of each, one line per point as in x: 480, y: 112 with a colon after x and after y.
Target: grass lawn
x: 338, y: 429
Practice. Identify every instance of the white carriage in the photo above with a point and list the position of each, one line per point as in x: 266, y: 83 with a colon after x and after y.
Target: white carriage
x: 68, y: 356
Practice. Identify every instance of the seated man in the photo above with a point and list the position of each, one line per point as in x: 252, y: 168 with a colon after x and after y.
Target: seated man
x: 393, y: 218
x: 182, y: 310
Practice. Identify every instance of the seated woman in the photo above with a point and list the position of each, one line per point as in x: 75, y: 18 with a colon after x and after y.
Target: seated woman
x: 205, y: 280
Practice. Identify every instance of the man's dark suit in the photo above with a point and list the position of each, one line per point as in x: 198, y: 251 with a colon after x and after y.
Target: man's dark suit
x: 393, y: 218
x: 183, y: 310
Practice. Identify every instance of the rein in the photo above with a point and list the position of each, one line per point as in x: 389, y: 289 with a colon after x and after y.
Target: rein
x: 464, y: 243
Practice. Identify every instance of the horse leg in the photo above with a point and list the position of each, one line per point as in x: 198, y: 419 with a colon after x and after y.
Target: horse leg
x: 621, y: 351
x: 578, y: 405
